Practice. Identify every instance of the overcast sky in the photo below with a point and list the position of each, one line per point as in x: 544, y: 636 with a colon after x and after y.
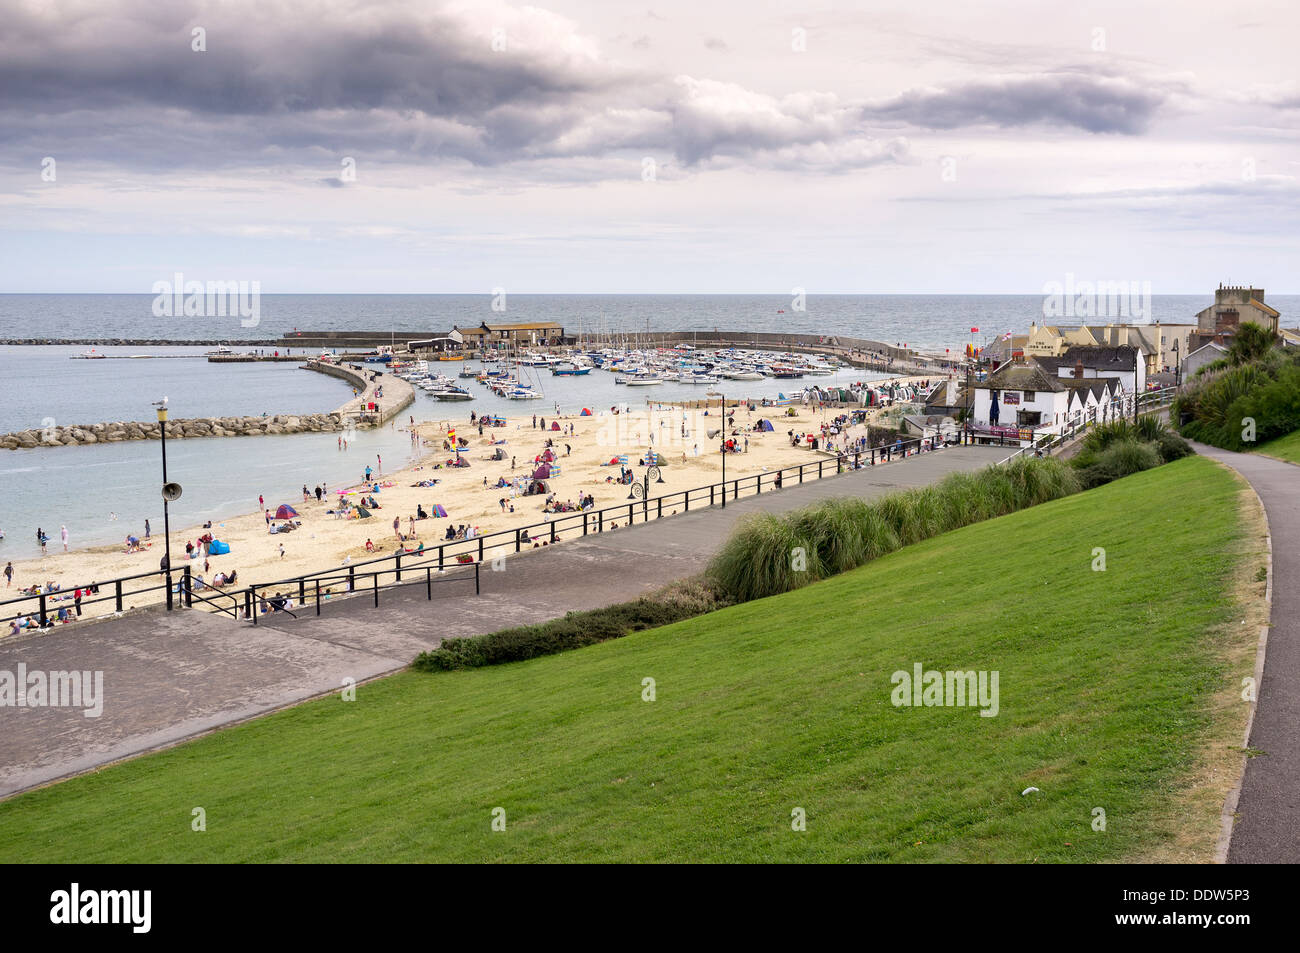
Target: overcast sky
x: 670, y: 146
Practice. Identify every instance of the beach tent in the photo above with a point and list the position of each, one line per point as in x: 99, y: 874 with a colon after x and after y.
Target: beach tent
x: 586, y: 412
x: 218, y: 548
x: 458, y: 462
x: 498, y: 454
x: 537, y: 487
x: 362, y: 512
x: 542, y: 473
x: 284, y: 512
x: 437, y: 510
x: 548, y: 455
x: 765, y: 425
x: 555, y: 425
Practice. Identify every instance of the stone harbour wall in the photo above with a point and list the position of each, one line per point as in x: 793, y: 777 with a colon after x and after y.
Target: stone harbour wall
x: 74, y: 435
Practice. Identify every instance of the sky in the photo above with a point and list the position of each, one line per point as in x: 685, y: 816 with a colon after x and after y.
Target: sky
x: 734, y: 146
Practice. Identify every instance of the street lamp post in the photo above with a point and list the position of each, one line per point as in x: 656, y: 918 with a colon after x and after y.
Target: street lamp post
x: 724, y: 451
x: 1177, y: 365
x: 161, y: 407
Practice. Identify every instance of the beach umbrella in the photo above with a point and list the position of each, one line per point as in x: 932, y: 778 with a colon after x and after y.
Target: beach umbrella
x: 994, y: 412
x: 362, y: 512
x: 284, y: 511
x: 437, y: 510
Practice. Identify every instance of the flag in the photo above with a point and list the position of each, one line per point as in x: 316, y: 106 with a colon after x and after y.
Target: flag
x: 974, y: 330
x: 1007, y: 336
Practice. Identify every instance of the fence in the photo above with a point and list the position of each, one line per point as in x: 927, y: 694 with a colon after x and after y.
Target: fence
x: 240, y: 602
x: 1080, y: 422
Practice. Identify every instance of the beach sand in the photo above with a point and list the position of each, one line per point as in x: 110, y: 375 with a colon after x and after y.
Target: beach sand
x: 324, y: 542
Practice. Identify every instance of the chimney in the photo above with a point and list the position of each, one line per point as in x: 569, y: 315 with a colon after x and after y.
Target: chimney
x: 1078, y: 369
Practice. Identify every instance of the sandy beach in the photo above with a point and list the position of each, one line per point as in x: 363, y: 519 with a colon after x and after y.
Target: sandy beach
x: 582, y: 446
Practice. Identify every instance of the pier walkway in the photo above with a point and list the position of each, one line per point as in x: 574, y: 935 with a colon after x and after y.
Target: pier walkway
x: 168, y: 677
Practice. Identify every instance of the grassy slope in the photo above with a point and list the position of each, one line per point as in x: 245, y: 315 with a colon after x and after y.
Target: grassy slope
x: 1285, y: 448
x: 1106, y: 678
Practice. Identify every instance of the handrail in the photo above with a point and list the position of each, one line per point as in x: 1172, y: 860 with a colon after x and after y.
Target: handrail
x: 587, y: 521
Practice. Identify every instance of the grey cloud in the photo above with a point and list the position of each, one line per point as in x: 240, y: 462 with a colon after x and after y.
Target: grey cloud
x: 1100, y: 104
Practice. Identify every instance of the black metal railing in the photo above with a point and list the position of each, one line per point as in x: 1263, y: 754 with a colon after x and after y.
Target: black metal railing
x: 477, y: 549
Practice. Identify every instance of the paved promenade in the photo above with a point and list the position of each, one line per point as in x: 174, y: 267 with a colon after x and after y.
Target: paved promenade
x: 169, y: 677
x: 1267, y: 830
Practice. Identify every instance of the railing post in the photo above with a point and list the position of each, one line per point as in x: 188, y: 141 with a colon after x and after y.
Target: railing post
x: 252, y: 590
x: 819, y: 469
x: 318, y: 597
x: 352, y: 579
x: 584, y: 523
x: 477, y: 566
x: 552, y: 526
x: 660, y: 504
x: 710, y: 494
x: 758, y: 486
x: 686, y: 502
x: 188, y: 583
x: 42, y: 609
x: 374, y: 576
x: 428, y: 583
x: 168, y: 577
x: 397, y: 561
x: 600, y: 521
x: 117, y: 595
x: 302, y: 589
x: 480, y: 549
x: 631, y: 513
x: 440, y: 556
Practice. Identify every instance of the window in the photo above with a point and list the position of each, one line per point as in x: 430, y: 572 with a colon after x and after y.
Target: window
x: 1028, y: 396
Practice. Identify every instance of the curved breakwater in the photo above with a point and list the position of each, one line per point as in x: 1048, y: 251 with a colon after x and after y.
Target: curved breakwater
x: 398, y: 394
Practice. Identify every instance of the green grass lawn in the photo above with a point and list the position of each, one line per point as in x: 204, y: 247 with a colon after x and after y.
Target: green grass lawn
x: 1108, y: 683
x: 1285, y: 448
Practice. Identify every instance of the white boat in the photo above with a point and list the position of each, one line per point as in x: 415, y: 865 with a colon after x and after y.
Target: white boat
x: 742, y: 375
x: 522, y: 393
x: 642, y: 380
x: 451, y: 393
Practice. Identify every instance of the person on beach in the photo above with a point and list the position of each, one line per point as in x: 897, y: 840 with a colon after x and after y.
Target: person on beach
x: 305, y: 495
x: 9, y: 574
x: 63, y: 532
x: 267, y: 514
x: 282, y: 550
x: 368, y: 472
x: 380, y: 461
x: 146, y: 529
x: 319, y: 494
x: 397, y: 526
x: 261, y: 503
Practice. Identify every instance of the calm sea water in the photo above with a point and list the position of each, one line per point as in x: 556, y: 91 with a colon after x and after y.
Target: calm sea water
x: 929, y: 321
x: 80, y: 486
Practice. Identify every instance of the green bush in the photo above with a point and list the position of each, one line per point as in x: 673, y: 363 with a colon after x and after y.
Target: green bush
x: 759, y: 558
x: 1213, y: 406
x: 575, y: 630
x: 842, y: 534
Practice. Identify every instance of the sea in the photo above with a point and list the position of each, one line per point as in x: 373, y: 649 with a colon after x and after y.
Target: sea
x: 103, y: 492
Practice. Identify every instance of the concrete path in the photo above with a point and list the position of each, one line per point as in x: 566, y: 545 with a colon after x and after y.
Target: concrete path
x: 1268, y: 810
x: 169, y: 677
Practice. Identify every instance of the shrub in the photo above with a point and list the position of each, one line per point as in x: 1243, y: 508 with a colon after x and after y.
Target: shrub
x: 758, y: 559
x: 842, y: 534
x: 1125, y: 457
x: 577, y: 629
x: 1172, y: 447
